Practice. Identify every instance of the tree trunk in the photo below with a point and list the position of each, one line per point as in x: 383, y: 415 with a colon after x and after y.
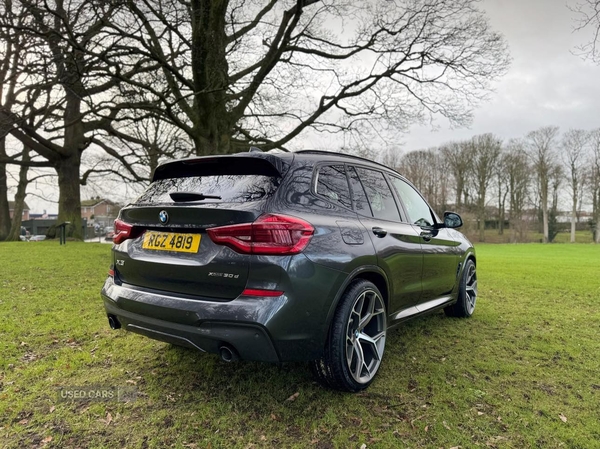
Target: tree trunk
x: 210, y: 70
x: 481, y: 213
x: 501, y: 207
x: 574, y: 218
x: 4, y: 209
x: 69, y: 203
x: 596, y: 215
x: 459, y: 193
x: 544, y: 195
x: 68, y: 164
x: 15, y: 230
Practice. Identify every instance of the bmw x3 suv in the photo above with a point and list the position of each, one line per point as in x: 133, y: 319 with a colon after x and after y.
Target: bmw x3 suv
x: 279, y: 257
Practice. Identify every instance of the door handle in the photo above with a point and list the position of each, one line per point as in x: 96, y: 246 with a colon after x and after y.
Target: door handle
x: 379, y: 232
x: 426, y: 235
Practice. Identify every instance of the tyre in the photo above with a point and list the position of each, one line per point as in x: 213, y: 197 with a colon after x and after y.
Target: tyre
x: 356, y: 341
x: 467, y: 293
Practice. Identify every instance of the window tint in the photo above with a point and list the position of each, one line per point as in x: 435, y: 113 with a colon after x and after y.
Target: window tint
x: 379, y: 194
x: 230, y: 188
x: 333, y: 185
x: 417, y: 209
x: 361, y: 204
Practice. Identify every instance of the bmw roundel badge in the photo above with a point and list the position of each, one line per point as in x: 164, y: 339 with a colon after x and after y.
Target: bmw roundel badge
x: 163, y: 216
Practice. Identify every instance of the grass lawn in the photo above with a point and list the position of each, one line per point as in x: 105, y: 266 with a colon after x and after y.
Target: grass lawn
x: 524, y: 371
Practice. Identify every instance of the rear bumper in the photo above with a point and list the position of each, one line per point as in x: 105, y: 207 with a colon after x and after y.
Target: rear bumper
x: 256, y: 328
x: 247, y: 341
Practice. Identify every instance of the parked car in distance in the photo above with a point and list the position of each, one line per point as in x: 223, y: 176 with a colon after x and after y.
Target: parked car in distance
x: 282, y: 257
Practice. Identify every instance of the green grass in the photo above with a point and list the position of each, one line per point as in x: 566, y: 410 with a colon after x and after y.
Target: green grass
x: 504, y: 378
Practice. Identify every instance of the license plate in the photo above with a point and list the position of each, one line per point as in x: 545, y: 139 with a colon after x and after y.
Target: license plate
x: 171, y: 241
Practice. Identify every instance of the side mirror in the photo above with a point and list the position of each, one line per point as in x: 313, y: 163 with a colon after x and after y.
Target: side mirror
x: 452, y: 220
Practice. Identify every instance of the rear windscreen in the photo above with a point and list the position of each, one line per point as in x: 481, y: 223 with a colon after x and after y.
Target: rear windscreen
x: 229, y: 188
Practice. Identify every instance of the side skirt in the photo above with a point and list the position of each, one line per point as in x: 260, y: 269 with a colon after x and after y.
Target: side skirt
x: 421, y: 309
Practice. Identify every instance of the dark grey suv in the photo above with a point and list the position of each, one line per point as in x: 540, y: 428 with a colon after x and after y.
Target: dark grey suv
x: 285, y: 257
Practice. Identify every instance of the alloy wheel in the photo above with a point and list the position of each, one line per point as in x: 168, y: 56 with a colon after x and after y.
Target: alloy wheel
x: 471, y: 289
x: 365, y: 336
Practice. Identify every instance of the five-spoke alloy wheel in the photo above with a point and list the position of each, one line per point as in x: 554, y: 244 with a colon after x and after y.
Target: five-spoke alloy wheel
x: 356, y: 340
x: 365, y: 336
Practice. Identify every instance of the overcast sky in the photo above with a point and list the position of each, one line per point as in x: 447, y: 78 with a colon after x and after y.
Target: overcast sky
x: 546, y: 84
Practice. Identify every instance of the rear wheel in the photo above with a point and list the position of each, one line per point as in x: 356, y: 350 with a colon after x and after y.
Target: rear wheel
x: 356, y: 341
x: 467, y: 293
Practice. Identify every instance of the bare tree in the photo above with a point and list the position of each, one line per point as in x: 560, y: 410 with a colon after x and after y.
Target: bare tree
x: 416, y: 166
x: 11, y: 52
x: 439, y: 190
x: 230, y: 73
x: 459, y: 159
x: 132, y: 155
x: 502, y: 189
x: 392, y: 157
x: 541, y: 146
x: 15, y: 229
x: 594, y: 177
x: 574, y: 146
x: 243, y: 71
x: 68, y: 86
x: 556, y: 176
x: 518, y: 172
x: 588, y: 18
x: 485, y: 152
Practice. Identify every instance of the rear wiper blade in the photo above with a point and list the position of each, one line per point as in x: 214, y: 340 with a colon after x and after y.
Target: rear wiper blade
x: 182, y: 197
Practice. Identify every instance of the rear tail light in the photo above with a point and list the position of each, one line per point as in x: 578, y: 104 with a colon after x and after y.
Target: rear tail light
x: 124, y: 231
x: 269, y: 234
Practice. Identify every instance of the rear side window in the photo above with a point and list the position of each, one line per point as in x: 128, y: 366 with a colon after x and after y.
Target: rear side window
x: 361, y: 204
x: 379, y: 194
x: 229, y: 188
x: 332, y: 184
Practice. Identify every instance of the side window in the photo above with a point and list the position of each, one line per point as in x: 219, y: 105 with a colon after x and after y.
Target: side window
x: 333, y: 185
x: 361, y: 204
x: 379, y: 194
x: 417, y: 209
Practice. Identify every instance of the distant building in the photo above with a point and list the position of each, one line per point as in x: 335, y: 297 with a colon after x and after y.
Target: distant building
x: 43, y: 216
x: 99, y: 212
x: 11, y: 210
x: 98, y: 207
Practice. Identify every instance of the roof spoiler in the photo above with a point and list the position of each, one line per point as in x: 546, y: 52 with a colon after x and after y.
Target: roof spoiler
x: 258, y: 163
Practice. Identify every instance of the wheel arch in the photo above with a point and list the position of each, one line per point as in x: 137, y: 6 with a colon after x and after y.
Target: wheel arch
x: 371, y: 273
x: 468, y: 255
x: 471, y: 256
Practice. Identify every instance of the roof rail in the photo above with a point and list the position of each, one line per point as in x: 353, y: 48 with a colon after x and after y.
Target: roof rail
x: 333, y: 153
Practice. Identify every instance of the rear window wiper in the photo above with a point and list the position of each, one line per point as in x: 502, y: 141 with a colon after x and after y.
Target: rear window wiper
x: 182, y: 197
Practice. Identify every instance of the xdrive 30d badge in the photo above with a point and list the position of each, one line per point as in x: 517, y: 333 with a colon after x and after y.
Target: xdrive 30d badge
x: 283, y: 257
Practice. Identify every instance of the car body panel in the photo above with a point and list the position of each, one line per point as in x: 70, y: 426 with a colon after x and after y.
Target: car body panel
x: 173, y: 297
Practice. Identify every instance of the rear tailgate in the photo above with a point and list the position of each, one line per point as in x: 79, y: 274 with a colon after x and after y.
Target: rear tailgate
x: 170, y: 249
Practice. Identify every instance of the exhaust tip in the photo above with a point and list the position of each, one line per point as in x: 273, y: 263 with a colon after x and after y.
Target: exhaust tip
x: 113, y: 322
x: 227, y: 354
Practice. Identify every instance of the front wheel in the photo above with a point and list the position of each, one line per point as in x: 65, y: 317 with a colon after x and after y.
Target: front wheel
x: 467, y: 293
x: 356, y: 340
